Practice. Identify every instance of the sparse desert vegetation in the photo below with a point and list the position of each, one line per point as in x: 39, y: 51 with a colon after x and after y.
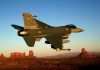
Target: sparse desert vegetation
x: 72, y: 63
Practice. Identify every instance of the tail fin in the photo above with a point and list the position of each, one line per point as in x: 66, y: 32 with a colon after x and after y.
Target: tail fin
x: 29, y: 21
x: 32, y: 23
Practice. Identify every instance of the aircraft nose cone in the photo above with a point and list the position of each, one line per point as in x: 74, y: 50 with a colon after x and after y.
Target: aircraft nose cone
x: 81, y: 30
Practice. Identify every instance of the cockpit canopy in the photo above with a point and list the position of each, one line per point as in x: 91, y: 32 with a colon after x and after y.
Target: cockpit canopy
x: 70, y: 26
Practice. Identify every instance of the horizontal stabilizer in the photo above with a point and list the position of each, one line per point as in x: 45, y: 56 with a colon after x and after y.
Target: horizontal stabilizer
x: 30, y: 41
x: 17, y: 27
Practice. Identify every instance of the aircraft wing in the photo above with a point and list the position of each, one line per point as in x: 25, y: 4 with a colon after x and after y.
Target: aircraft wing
x: 42, y: 24
x: 56, y: 41
x: 29, y: 40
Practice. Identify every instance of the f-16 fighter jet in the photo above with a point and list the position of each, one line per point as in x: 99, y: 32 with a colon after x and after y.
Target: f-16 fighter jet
x: 34, y: 30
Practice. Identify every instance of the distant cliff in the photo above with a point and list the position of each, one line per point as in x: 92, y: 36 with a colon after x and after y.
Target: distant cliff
x: 84, y: 54
x: 18, y: 55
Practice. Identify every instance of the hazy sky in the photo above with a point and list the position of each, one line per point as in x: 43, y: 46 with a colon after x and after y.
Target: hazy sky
x: 85, y: 14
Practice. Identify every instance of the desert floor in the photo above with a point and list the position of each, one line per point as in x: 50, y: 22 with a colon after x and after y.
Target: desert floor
x: 49, y: 64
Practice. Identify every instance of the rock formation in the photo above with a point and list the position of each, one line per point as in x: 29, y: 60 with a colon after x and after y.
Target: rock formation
x: 16, y: 55
x: 31, y: 55
x: 2, y: 56
x: 83, y: 51
x: 84, y: 54
x: 24, y: 55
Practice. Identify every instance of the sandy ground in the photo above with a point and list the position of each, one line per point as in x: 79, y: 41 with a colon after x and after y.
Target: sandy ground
x: 49, y: 64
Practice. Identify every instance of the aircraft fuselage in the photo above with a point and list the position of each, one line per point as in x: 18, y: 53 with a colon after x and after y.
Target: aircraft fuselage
x: 48, y: 31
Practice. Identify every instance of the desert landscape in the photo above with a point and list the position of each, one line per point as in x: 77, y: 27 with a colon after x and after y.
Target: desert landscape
x: 80, y: 61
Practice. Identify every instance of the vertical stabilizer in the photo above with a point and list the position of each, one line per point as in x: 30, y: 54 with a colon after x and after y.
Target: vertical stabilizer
x: 29, y: 21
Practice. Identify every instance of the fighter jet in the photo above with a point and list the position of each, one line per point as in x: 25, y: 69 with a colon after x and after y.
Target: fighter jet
x: 34, y: 30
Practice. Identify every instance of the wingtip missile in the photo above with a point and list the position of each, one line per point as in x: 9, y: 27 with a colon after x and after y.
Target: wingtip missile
x: 68, y: 49
x: 58, y: 50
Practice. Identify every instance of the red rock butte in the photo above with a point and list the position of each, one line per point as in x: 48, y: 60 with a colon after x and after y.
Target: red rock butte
x: 2, y: 56
x: 31, y: 55
x: 84, y: 54
x: 19, y: 55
